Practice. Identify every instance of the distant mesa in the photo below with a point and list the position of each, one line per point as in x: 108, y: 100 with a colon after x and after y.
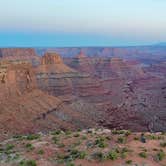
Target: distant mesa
x: 51, y: 58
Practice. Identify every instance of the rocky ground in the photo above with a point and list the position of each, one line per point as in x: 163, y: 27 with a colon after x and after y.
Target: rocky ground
x: 89, y: 147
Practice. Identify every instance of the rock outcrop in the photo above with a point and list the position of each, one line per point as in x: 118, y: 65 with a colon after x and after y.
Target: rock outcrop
x: 26, y: 109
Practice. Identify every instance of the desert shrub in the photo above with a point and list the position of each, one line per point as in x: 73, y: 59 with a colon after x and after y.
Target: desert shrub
x: 100, y: 142
x: 41, y: 151
x: 55, y: 139
x: 160, y: 155
x: 99, y: 156
x: 77, y: 154
x: 163, y: 144
x: 117, y: 132
x: 27, y: 163
x: 9, y: 147
x: 33, y: 136
x: 123, y: 153
x: 29, y: 147
x: 57, y: 132
x: 127, y: 133
x: 143, y: 154
x: 20, y: 137
x: 121, y: 140
x: 129, y: 162
x: 113, y: 155
x: 108, y: 138
x: 136, y: 138
x: 69, y: 164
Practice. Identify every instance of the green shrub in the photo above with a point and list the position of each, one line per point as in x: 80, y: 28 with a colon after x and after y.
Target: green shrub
x: 143, y: 154
x: 136, y: 138
x: 33, y: 136
x: 55, y: 139
x: 27, y: 163
x: 127, y: 133
x: 160, y: 155
x: 9, y: 147
x: 121, y: 140
x: 99, y: 156
x: 29, y: 147
x: 113, y: 155
x: 57, y: 132
x: 117, y: 132
x: 129, y: 162
x: 100, y: 142
x: 77, y: 154
x: 41, y: 151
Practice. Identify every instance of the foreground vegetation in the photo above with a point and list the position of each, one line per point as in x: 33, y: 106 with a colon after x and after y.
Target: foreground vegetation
x: 87, y: 147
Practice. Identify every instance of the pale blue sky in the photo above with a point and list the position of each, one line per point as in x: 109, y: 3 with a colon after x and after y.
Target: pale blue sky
x: 81, y: 22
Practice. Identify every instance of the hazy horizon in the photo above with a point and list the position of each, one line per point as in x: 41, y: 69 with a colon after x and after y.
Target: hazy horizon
x: 78, y: 23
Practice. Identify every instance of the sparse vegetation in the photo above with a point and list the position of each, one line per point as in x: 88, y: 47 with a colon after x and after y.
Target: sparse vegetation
x: 33, y: 136
x: 27, y: 163
x: 69, y: 149
x: 121, y: 140
x: 99, y: 156
x: 113, y: 155
x: 100, y: 142
x: 160, y: 155
x: 41, y: 152
x: 143, y: 154
x: 29, y: 147
x: 129, y: 162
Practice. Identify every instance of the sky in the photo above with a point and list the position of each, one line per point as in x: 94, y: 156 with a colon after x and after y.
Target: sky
x: 67, y: 23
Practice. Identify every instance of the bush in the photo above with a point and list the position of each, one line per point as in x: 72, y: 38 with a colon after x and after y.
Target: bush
x: 77, y: 154
x: 9, y: 147
x: 143, y: 154
x: 117, y: 132
x: 98, y: 156
x: 29, y: 147
x: 160, y: 155
x: 32, y: 137
x: 129, y: 162
x: 27, y: 163
x: 113, y: 155
x: 57, y: 132
x: 127, y: 133
x: 100, y: 142
x: 55, y: 139
x: 40, y: 152
x: 121, y: 140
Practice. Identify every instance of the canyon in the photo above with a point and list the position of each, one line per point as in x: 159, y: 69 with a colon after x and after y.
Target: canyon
x: 76, y: 88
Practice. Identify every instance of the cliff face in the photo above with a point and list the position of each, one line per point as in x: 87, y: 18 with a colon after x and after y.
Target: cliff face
x: 58, y: 79
x: 25, y: 109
